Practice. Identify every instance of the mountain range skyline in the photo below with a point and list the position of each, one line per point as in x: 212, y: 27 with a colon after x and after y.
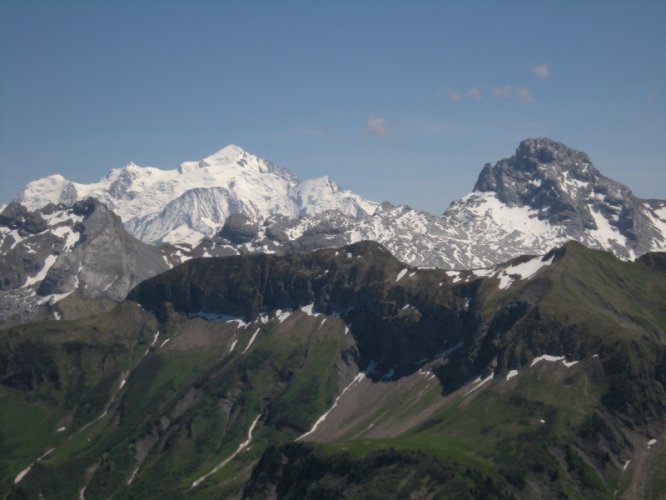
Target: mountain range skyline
x: 316, y: 250
x: 57, y: 237
x: 396, y: 102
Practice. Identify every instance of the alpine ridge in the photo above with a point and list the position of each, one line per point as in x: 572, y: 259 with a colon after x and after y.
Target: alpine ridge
x: 194, y: 200
x: 541, y: 197
x: 544, y: 195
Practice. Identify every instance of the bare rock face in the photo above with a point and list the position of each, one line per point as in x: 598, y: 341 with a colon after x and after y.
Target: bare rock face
x: 563, y: 186
x: 48, y: 254
x: 239, y: 229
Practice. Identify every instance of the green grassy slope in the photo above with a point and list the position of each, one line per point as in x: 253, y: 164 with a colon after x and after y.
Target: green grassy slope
x: 129, y: 414
x: 185, y: 406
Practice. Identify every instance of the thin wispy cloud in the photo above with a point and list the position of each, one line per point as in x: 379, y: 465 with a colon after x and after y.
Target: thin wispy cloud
x: 524, y: 95
x: 508, y: 92
x: 454, y: 95
x: 503, y: 93
x: 541, y: 70
x: 471, y: 93
x: 474, y: 93
x: 378, y: 125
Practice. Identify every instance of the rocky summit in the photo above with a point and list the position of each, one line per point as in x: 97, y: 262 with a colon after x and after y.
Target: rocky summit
x: 80, y: 252
x: 565, y: 189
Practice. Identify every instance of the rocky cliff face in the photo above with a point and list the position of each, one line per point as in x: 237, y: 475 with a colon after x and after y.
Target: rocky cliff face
x: 401, y: 316
x: 562, y: 187
x: 50, y: 253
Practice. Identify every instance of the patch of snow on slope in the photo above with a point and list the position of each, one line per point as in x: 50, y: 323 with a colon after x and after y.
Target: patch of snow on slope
x: 39, y: 277
x: 25, y: 471
x: 553, y: 359
x: 281, y: 315
x: 401, y: 275
x: 511, y: 374
x: 184, y: 234
x: 454, y: 275
x: 486, y: 205
x: 240, y: 448
x: 254, y: 336
x: 605, y: 233
x: 658, y: 220
x: 482, y: 273
x: 308, y: 310
x: 661, y: 212
x: 233, y: 345
x: 56, y: 297
x: 547, y: 357
x: 60, y: 216
x: 524, y: 271
x: 16, y: 238
x: 218, y: 317
x: 480, y: 382
x: 359, y: 378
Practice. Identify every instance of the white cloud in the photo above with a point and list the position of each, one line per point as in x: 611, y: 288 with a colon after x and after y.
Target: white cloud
x: 524, y: 95
x: 454, y: 95
x: 502, y: 93
x: 508, y: 92
x: 378, y: 125
x: 541, y: 70
x: 474, y: 93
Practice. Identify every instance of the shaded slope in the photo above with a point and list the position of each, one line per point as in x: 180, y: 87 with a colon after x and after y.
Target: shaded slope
x: 542, y: 377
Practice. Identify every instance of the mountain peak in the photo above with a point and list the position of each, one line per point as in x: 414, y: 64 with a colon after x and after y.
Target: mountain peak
x: 542, y: 165
x: 227, y: 154
x: 547, y: 151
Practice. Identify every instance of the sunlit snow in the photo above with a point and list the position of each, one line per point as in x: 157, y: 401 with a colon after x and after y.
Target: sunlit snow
x: 401, y: 275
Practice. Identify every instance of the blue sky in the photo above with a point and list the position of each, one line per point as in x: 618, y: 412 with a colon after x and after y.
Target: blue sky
x: 398, y: 101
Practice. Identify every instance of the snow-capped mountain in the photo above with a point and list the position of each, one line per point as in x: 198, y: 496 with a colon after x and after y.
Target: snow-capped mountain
x: 194, y: 200
x: 547, y: 191
x: 50, y: 253
x: 544, y: 195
